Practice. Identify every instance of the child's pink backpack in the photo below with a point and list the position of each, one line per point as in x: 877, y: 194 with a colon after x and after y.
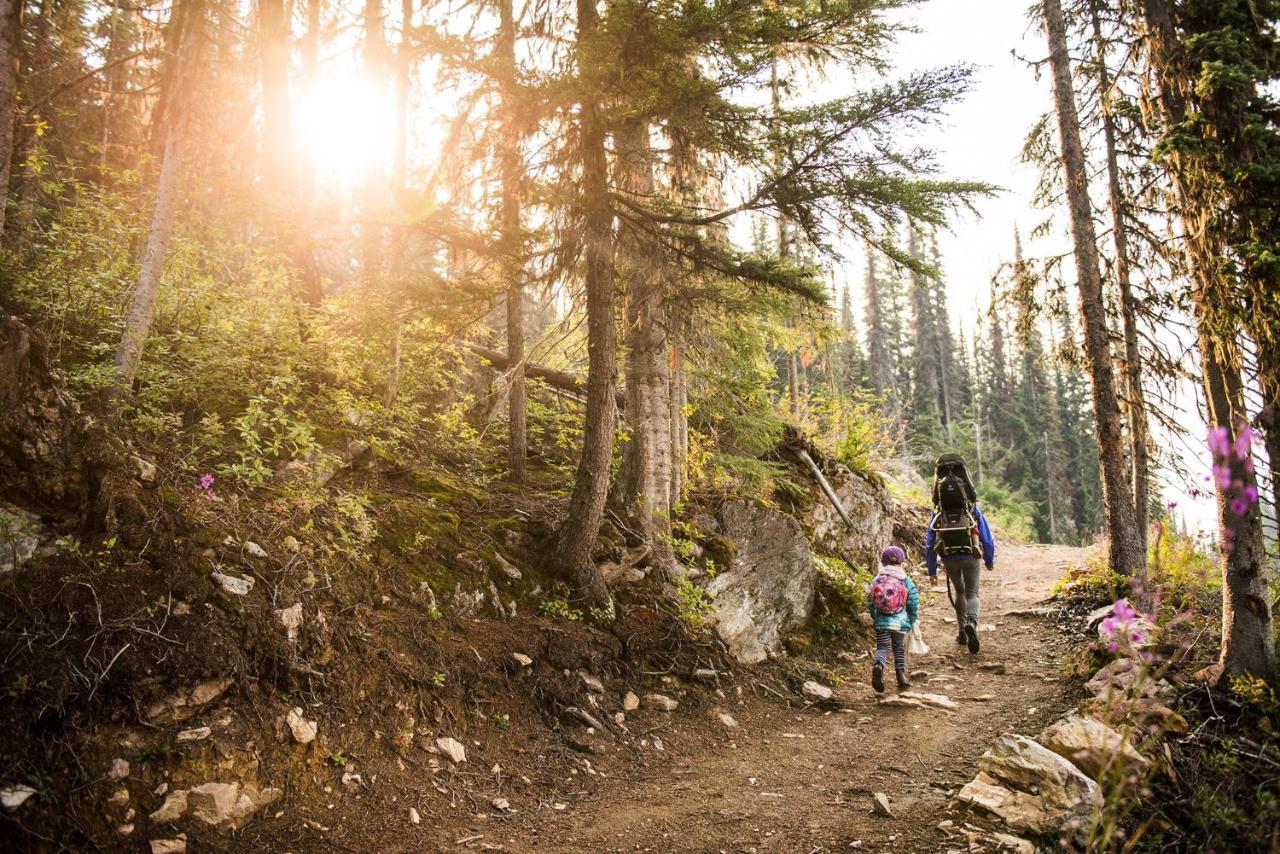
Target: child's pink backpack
x: 888, y: 594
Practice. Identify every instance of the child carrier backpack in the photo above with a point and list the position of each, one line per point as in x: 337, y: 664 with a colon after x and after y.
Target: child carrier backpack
x: 888, y: 594
x: 954, y: 495
x: 957, y: 534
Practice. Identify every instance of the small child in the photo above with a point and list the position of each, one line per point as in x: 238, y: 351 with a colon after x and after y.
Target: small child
x: 895, y: 607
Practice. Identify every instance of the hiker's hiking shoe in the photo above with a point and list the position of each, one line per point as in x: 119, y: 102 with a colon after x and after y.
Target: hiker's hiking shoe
x: 962, y: 638
x: 903, y: 682
x: 971, y: 636
x: 877, y: 678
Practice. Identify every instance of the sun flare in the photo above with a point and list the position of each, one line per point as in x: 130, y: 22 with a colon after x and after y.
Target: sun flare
x: 346, y: 125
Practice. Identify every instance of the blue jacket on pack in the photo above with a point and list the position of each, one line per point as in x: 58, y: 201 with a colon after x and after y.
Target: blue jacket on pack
x: 984, y: 534
x: 907, y: 617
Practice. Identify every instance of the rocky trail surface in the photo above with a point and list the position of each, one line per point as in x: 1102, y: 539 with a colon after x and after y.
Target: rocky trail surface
x: 757, y: 774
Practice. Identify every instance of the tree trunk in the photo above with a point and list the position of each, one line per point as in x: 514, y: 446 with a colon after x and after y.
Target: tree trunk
x: 142, y: 306
x: 1269, y: 420
x: 1126, y: 552
x: 576, y: 536
x: 679, y: 424
x: 1248, y: 641
x: 277, y: 124
x: 1138, y: 428
x: 183, y: 37
x: 10, y: 40
x: 646, y: 485
x: 375, y: 60
x: 281, y: 172
x: 513, y: 250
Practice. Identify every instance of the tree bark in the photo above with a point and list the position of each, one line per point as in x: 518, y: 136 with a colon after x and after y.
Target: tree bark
x: 279, y: 176
x: 1134, y: 400
x: 679, y: 424
x: 576, y: 536
x: 1126, y: 552
x: 371, y: 236
x: 646, y: 482
x: 282, y: 173
x: 142, y: 306
x: 10, y: 40
x: 1248, y: 640
x: 1269, y: 421
x: 513, y: 250
x: 183, y: 37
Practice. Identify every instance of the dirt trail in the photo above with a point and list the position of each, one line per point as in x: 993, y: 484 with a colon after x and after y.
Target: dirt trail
x: 802, y: 781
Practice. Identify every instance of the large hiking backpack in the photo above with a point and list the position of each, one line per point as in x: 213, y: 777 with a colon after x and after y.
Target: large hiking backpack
x: 957, y: 534
x: 954, y: 496
x: 888, y: 594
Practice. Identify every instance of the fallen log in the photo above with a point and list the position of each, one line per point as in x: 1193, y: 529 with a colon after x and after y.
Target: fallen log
x: 562, y: 380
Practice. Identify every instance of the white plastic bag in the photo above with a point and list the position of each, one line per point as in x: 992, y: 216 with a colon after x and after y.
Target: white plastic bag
x: 915, y: 643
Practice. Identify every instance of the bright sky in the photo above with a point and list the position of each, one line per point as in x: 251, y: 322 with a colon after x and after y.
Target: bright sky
x: 981, y: 138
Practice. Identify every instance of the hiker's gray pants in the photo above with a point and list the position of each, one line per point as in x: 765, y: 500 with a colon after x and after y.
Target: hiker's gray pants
x: 965, y: 575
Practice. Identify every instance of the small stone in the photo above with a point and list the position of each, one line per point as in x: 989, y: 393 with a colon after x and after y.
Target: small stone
x: 125, y: 829
x: 119, y: 769
x: 453, y: 749
x: 848, y: 657
x: 254, y: 550
x: 173, y: 808
x: 13, y: 797
x: 119, y: 798
x: 727, y: 720
x: 705, y: 674
x: 168, y: 846
x: 303, y: 730
x: 938, y: 701
x: 987, y: 627
x: 291, y: 619
x: 291, y: 543
x: 593, y: 684
x: 816, y: 692
x: 501, y: 804
x: 199, y: 733
x: 146, y: 470
x: 522, y: 659
x: 233, y: 584
x: 882, y: 804
x: 992, y: 667
x: 920, y: 675
x: 228, y: 806
x: 507, y: 568
x: 630, y: 702
x: 661, y: 702
x: 414, y: 818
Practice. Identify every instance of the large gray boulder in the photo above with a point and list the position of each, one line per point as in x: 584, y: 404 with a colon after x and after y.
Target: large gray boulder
x: 867, y: 501
x: 768, y: 592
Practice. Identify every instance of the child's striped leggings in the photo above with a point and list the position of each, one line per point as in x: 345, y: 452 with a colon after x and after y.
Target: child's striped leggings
x: 885, y: 638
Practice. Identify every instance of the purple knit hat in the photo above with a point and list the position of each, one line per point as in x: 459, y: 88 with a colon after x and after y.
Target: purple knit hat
x: 893, y: 556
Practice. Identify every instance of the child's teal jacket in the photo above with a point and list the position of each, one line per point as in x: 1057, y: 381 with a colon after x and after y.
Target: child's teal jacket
x: 908, y: 616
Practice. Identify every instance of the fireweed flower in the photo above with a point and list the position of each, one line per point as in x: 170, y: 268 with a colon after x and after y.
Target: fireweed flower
x: 1122, y: 626
x: 204, y: 485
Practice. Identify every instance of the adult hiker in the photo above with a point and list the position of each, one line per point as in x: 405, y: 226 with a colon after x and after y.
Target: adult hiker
x: 959, y: 536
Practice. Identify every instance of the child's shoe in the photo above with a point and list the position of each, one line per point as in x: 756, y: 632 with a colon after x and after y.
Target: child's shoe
x: 903, y: 682
x: 877, y: 678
